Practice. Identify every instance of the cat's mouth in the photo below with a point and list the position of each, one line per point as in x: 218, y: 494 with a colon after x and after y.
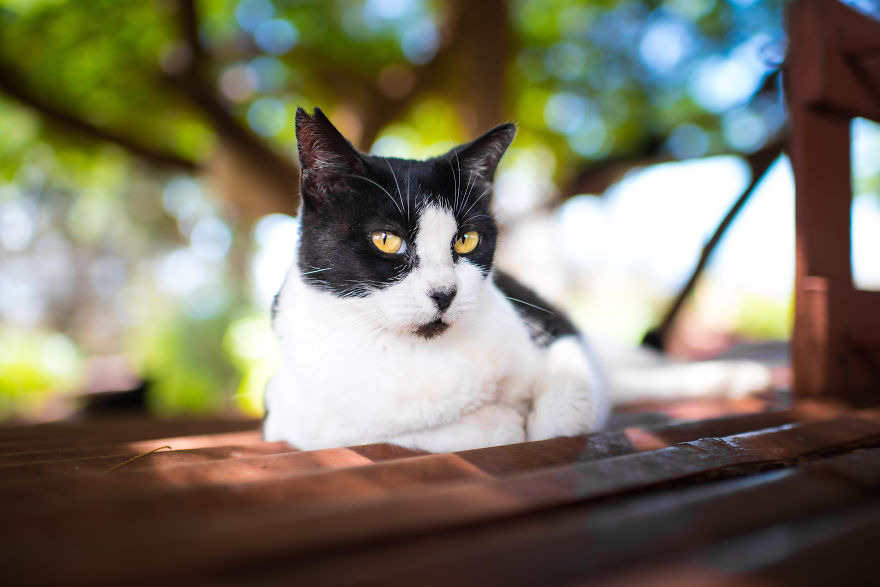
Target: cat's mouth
x: 432, y: 329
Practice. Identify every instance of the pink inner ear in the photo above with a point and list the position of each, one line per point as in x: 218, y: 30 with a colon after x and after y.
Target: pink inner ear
x: 322, y: 146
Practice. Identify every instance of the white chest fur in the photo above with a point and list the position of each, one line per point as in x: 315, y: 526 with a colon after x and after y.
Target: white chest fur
x: 347, y: 380
x: 353, y: 370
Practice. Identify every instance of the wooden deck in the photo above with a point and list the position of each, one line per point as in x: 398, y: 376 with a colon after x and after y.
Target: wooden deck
x: 764, y: 496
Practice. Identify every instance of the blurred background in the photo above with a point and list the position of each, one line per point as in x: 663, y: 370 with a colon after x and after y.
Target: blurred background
x: 148, y: 183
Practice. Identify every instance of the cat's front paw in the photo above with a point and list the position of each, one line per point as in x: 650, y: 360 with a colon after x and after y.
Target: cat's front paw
x: 491, y: 425
x: 488, y: 425
x: 562, y: 414
x: 569, y: 398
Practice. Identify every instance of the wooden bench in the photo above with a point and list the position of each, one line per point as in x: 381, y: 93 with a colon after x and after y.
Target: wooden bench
x: 640, y: 502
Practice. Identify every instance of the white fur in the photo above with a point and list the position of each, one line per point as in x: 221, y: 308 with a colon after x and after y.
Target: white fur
x: 407, y: 303
x: 353, y: 372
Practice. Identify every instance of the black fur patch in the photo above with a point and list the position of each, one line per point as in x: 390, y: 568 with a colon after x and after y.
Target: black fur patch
x: 347, y: 195
x: 432, y: 329
x: 546, y: 323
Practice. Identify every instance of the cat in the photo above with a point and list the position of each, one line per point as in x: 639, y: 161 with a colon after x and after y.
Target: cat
x: 395, y: 326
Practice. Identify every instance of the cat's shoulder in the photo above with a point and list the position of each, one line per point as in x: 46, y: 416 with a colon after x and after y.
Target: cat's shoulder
x: 546, y: 323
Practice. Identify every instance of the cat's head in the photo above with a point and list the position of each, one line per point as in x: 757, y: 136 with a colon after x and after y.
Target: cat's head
x: 412, y: 241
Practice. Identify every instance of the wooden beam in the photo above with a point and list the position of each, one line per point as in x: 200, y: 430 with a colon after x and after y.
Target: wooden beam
x: 840, y: 47
x: 831, y: 77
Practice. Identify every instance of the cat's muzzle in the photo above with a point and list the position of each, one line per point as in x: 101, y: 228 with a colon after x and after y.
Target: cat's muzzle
x: 432, y: 329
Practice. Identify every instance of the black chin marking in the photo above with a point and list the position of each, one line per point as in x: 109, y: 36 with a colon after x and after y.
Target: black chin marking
x: 432, y: 329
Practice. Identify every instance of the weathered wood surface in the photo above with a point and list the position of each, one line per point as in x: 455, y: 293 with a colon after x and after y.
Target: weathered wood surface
x: 641, y: 499
x: 592, y: 540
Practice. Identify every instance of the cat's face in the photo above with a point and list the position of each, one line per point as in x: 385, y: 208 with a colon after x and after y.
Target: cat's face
x: 411, y: 241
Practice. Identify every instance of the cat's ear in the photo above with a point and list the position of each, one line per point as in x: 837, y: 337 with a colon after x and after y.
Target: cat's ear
x: 327, y: 160
x: 481, y: 156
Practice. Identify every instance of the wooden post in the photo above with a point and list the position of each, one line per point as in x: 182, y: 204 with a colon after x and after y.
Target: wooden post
x: 832, y: 75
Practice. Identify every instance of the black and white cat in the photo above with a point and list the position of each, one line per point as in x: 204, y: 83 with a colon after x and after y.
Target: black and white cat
x: 394, y: 325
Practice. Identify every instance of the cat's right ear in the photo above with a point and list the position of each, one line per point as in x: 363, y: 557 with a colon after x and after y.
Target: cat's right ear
x: 327, y: 160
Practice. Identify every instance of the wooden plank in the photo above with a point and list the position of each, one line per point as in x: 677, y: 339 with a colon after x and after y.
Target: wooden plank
x: 43, y: 492
x: 257, y: 521
x: 126, y: 449
x: 155, y: 461
x: 845, y: 553
x: 51, y: 496
x: 587, y: 542
x: 837, y: 548
x: 117, y: 430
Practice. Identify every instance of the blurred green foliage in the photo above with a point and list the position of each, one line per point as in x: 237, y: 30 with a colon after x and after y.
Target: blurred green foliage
x: 115, y: 118
x: 32, y: 365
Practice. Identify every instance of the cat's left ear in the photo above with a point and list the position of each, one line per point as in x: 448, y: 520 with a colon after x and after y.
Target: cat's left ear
x: 327, y: 159
x: 481, y: 156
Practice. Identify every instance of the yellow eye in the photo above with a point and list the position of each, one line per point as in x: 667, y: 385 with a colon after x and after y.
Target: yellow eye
x: 388, y: 242
x: 466, y: 242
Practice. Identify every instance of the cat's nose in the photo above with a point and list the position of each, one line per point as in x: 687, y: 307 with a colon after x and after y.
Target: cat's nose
x: 442, y: 297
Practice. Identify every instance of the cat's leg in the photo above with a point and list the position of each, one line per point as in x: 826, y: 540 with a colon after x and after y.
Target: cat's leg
x: 489, y: 425
x: 276, y: 423
x: 570, y: 395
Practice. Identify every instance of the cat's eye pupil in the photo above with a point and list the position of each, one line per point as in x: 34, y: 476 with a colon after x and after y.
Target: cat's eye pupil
x: 387, y: 242
x: 466, y: 242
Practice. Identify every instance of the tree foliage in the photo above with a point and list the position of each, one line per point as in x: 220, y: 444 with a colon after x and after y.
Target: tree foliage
x: 135, y: 133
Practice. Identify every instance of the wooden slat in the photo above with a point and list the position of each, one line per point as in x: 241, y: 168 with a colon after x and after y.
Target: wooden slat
x: 248, y: 521
x: 593, y: 541
x: 844, y: 554
x: 125, y: 449
x: 152, y: 461
x: 117, y: 430
x: 125, y: 485
x: 837, y: 548
x: 192, y: 483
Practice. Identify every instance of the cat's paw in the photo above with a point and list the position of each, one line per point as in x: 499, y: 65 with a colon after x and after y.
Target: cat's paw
x: 562, y: 412
x: 488, y: 425
x: 569, y: 398
x: 493, y: 424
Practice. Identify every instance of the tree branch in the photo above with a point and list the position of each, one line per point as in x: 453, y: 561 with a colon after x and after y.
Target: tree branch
x: 13, y: 85
x: 189, y: 29
x: 279, y: 173
x: 759, y: 162
x: 598, y: 176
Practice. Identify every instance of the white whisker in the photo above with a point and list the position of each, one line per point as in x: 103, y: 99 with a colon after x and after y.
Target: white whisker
x: 531, y: 305
x: 408, y: 177
x: 394, y: 175
x: 452, y: 170
x: 458, y: 179
x: 399, y: 209
x: 470, y: 186
x: 486, y: 191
